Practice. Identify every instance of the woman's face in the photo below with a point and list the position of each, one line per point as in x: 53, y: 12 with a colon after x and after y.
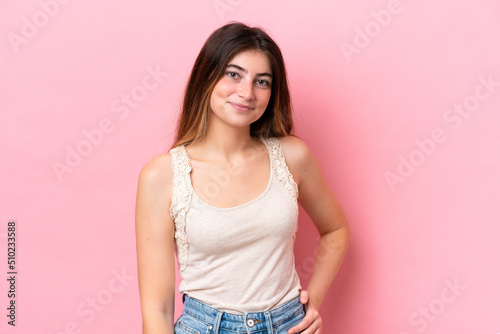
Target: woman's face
x: 242, y: 94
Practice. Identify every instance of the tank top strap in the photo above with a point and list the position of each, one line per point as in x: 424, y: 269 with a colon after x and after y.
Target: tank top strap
x: 280, y: 168
x: 181, y: 200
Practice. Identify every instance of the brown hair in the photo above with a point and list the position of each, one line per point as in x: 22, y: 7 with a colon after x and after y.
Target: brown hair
x: 221, y: 46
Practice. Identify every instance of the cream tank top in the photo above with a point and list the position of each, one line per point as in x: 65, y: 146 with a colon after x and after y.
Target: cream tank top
x: 237, y: 259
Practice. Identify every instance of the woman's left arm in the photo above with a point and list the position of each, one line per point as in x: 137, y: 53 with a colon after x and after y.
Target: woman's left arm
x: 323, y: 208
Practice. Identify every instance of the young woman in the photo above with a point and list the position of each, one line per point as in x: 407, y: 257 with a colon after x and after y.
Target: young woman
x: 225, y: 199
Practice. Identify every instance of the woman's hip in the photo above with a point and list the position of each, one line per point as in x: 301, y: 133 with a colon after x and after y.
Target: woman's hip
x: 201, y: 318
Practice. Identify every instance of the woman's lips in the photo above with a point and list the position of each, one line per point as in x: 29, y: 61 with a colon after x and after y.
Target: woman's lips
x: 240, y: 107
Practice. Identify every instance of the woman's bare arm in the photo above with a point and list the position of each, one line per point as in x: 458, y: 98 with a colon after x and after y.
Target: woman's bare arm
x: 328, y: 217
x: 155, y: 246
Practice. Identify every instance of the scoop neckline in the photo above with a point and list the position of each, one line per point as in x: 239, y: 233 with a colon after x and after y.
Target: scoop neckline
x: 239, y: 205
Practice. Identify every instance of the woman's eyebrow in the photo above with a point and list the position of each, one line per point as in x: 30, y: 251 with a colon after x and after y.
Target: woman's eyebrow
x: 266, y: 74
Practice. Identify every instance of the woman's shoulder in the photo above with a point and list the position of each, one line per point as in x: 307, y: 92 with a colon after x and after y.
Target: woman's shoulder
x: 157, y: 173
x: 297, y: 154
x: 295, y: 149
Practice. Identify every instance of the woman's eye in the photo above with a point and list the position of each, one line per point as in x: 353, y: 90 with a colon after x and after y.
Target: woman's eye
x: 232, y: 74
x: 264, y: 83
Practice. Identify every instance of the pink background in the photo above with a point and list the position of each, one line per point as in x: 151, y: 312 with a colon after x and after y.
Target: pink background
x: 374, y: 84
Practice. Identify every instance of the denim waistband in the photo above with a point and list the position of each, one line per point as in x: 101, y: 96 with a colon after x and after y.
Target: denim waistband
x: 249, y: 322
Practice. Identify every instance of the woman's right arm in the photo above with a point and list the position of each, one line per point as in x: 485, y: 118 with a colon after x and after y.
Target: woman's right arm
x: 154, y: 230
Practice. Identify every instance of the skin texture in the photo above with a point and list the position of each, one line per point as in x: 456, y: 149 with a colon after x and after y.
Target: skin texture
x: 321, y: 205
x: 239, y: 98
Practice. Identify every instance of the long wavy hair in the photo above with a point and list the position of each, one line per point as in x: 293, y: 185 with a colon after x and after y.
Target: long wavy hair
x: 221, y: 46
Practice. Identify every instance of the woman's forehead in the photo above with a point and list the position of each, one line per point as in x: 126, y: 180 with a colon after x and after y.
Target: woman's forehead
x: 253, y: 60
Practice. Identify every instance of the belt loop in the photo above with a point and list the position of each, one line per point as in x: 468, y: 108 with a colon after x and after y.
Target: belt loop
x: 269, y: 321
x: 217, y: 322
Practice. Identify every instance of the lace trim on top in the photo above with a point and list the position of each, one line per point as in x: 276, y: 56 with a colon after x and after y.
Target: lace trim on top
x: 282, y: 172
x: 181, y: 200
x: 280, y: 168
x: 182, y: 189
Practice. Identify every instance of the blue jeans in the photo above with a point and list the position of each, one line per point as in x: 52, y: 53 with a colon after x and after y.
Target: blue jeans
x: 200, y: 318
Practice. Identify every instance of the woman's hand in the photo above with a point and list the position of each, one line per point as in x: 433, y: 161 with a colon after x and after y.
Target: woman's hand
x: 312, y: 323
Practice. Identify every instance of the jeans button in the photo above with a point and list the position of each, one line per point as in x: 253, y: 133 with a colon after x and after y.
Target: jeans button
x: 250, y: 322
x: 210, y: 327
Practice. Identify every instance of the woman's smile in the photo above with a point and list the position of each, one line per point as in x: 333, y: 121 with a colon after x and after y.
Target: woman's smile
x: 241, y: 107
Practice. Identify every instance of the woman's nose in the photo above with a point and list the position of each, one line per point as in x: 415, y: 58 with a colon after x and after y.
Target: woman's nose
x: 245, y: 89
